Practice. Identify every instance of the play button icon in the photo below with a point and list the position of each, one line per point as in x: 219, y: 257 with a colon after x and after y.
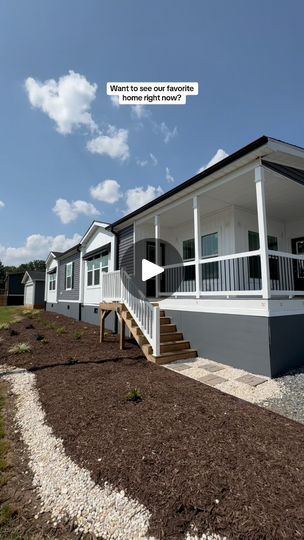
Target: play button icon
x: 150, y: 270
x: 153, y: 269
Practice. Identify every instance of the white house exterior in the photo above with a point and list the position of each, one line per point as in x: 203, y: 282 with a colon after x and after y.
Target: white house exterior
x: 238, y: 294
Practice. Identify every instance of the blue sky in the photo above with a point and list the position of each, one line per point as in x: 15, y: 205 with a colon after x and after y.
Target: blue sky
x: 246, y: 56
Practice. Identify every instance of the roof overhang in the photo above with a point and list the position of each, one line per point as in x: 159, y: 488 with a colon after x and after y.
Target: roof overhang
x: 96, y: 226
x: 262, y: 148
x: 25, y: 278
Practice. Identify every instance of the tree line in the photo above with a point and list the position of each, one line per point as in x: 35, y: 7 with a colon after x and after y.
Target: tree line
x: 37, y: 265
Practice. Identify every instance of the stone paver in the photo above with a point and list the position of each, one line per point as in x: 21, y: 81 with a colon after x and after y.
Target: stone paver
x: 212, y: 380
x: 212, y: 368
x: 252, y: 380
x: 179, y: 367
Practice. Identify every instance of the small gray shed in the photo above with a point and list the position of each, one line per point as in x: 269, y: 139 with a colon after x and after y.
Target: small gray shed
x: 34, y: 283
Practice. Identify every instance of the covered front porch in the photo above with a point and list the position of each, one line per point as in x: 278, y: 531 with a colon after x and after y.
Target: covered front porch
x: 239, y: 237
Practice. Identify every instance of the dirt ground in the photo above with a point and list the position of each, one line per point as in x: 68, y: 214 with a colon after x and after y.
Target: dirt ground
x: 189, y: 453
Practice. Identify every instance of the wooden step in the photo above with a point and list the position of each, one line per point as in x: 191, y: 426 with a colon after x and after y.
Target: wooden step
x: 171, y: 336
x: 166, y: 358
x: 167, y: 328
x: 162, y: 313
x: 165, y: 320
x: 171, y: 346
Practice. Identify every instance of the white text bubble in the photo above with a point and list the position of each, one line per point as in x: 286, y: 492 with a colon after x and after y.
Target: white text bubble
x: 152, y: 93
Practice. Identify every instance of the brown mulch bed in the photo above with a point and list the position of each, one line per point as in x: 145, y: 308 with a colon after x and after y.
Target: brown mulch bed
x: 189, y: 453
x: 17, y: 491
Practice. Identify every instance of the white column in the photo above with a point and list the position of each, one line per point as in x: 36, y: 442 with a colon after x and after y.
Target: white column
x: 157, y: 254
x: 262, y: 222
x: 197, y: 251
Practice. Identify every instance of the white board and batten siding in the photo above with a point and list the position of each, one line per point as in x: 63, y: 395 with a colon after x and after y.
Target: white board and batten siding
x: 92, y: 294
x: 51, y: 296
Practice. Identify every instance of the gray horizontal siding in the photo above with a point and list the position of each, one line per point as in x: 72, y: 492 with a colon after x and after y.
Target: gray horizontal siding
x: 126, y: 249
x: 74, y: 293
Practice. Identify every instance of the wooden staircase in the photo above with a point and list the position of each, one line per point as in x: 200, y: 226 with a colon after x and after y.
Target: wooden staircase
x: 173, y: 346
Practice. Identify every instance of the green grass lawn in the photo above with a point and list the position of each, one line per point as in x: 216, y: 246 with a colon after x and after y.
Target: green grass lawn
x: 7, y: 313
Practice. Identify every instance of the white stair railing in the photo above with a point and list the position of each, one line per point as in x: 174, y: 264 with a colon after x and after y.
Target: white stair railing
x: 119, y: 286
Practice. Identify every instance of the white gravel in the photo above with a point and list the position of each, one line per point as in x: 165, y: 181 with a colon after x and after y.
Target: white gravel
x: 67, y: 490
x: 268, y: 390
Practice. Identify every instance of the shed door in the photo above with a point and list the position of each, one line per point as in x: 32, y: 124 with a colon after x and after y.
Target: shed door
x: 28, y: 294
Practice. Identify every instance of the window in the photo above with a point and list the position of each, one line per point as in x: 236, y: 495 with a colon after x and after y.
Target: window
x: 255, y: 262
x: 52, y: 282
x: 210, y: 249
x: 188, y: 249
x: 69, y: 271
x: 94, y: 265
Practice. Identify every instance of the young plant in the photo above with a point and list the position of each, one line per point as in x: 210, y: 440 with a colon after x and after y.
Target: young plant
x: 4, y: 326
x: 134, y: 395
x: 61, y: 330
x: 78, y: 335
x: 20, y: 348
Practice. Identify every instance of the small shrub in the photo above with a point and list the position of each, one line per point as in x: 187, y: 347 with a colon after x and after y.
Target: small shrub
x: 26, y: 312
x: 61, y: 330
x: 6, y: 514
x: 78, y: 335
x: 134, y: 395
x: 20, y: 348
x: 4, y: 326
x: 50, y: 325
x: 44, y: 341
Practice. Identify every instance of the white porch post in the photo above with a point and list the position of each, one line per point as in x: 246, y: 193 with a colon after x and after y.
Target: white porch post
x: 262, y: 222
x: 156, y: 234
x: 196, y: 222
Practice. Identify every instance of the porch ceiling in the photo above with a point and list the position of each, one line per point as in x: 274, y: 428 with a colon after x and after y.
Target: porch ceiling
x: 284, y: 199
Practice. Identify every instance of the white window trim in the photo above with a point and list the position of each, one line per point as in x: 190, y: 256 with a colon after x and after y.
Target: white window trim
x: 52, y: 279
x: 68, y: 265
x: 101, y: 270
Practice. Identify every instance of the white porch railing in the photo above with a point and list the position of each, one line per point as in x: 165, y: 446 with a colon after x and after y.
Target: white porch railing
x: 119, y: 286
x: 238, y: 275
x: 286, y: 273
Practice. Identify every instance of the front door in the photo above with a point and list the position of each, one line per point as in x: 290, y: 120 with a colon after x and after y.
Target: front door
x: 150, y: 256
x: 297, y: 245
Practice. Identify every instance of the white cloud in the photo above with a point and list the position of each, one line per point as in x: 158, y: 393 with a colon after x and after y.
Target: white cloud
x: 141, y: 163
x: 140, y: 111
x: 69, y: 211
x: 153, y: 159
x: 114, y: 144
x: 2, y: 205
x: 66, y: 101
x: 107, y: 191
x: 166, y: 132
x: 115, y: 101
x: 218, y: 156
x: 169, y: 178
x: 137, y: 197
x: 36, y: 246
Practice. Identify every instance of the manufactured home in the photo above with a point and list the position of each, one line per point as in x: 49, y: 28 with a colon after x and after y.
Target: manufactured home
x: 237, y: 293
x: 33, y: 282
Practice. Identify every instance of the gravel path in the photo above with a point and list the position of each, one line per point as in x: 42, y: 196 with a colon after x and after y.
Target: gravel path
x: 67, y: 490
x: 291, y: 404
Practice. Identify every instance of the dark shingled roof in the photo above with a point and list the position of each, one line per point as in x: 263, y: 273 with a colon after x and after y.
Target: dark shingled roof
x: 35, y: 275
